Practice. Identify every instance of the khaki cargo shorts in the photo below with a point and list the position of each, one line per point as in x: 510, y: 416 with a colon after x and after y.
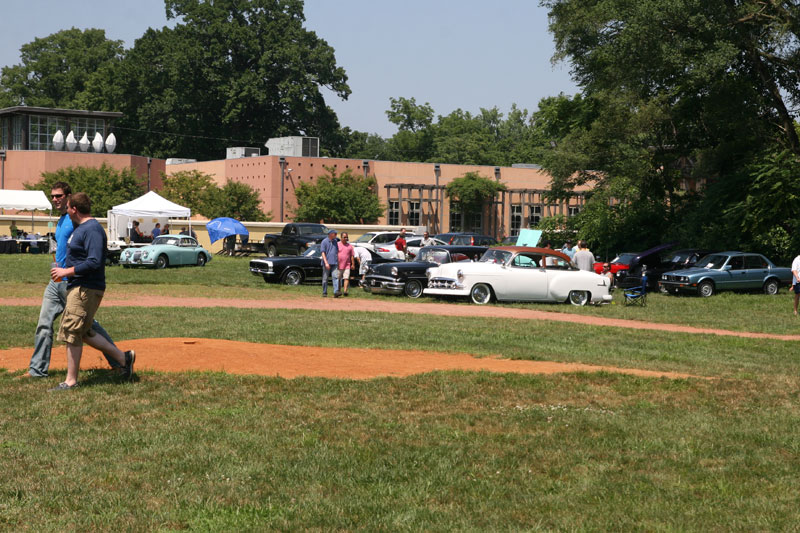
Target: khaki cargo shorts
x: 76, y: 323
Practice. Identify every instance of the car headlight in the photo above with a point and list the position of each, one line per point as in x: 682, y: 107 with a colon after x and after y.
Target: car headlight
x: 145, y: 254
x: 394, y: 271
x: 460, y: 274
x: 663, y: 277
x: 269, y: 264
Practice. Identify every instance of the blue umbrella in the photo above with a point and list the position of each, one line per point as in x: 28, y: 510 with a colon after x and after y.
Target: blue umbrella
x: 222, y: 227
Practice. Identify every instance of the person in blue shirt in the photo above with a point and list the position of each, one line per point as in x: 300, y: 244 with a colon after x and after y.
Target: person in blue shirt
x: 330, y: 263
x: 156, y: 231
x: 55, y: 294
x: 85, y: 270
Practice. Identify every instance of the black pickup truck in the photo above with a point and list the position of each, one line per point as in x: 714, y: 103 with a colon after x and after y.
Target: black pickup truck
x: 295, y: 238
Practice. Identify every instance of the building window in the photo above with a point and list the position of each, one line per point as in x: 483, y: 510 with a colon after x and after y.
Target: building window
x: 413, y: 213
x: 16, y: 133
x: 455, y: 216
x: 516, y: 218
x: 394, y: 213
x: 535, y: 216
x: 4, y: 133
x: 41, y: 131
x: 90, y: 126
x: 572, y: 211
x: 474, y: 222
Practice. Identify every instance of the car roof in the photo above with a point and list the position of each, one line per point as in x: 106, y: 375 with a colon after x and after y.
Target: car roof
x: 533, y: 250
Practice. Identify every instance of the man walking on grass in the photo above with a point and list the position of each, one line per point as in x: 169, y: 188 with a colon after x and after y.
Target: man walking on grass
x: 55, y: 295
x: 330, y: 263
x: 85, y: 272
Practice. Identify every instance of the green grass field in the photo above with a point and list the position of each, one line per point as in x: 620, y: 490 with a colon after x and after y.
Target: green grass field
x: 441, y: 451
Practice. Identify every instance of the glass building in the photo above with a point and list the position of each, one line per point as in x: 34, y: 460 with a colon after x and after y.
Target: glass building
x: 33, y: 128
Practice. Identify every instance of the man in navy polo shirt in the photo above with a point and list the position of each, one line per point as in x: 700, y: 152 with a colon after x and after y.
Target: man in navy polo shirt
x: 55, y: 294
x: 85, y: 272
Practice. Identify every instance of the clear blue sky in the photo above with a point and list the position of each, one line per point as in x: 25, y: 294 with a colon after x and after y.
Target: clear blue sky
x: 453, y: 54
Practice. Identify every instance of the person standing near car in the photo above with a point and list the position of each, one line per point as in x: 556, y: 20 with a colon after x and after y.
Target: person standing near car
x: 364, y: 258
x: 345, y: 261
x: 330, y: 263
x: 796, y: 281
x: 427, y: 240
x: 55, y: 294
x: 400, y: 243
x: 86, y: 283
x: 583, y: 258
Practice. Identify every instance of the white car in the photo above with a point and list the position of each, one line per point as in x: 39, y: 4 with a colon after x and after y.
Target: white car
x: 516, y: 273
x: 382, y: 243
x: 413, y: 245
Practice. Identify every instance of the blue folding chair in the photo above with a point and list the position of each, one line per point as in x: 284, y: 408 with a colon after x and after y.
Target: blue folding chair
x: 637, y: 295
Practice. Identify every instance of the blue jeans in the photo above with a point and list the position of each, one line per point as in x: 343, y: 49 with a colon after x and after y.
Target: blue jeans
x: 53, y: 302
x: 330, y: 272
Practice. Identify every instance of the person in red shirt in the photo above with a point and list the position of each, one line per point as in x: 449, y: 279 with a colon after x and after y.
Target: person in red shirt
x: 400, y: 243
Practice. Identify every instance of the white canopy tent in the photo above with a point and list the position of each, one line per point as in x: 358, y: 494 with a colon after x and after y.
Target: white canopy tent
x: 148, y: 210
x: 24, y: 201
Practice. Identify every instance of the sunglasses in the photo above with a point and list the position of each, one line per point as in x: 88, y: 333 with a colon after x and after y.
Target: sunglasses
x: 56, y: 196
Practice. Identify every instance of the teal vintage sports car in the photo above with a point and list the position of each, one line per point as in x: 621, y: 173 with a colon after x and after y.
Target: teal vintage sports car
x: 164, y: 251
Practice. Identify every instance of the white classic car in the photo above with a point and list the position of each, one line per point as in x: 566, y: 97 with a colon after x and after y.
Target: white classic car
x: 516, y: 273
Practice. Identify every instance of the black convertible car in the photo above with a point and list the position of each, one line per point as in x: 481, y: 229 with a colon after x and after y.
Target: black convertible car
x: 295, y: 269
x: 409, y: 278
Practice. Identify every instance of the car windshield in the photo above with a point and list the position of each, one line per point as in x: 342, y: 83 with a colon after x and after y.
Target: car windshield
x: 313, y: 251
x: 366, y: 237
x: 166, y: 239
x: 495, y: 256
x: 712, y: 261
x: 625, y: 259
x: 429, y: 255
x: 313, y: 229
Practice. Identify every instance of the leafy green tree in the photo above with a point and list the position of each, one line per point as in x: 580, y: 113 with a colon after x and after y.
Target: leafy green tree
x: 471, y: 191
x: 236, y: 200
x: 55, y: 70
x: 339, y: 199
x: 189, y: 188
x: 228, y: 72
x: 106, y: 186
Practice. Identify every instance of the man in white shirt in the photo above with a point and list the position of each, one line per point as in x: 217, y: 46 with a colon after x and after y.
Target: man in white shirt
x: 796, y: 281
x: 364, y: 258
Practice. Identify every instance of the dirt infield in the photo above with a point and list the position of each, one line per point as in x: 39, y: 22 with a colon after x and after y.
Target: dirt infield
x: 187, y: 354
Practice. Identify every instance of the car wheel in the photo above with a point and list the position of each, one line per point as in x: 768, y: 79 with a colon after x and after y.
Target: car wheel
x: 293, y: 276
x: 162, y: 261
x: 201, y: 260
x: 413, y: 289
x: 705, y: 289
x: 771, y: 287
x: 481, y: 294
x: 579, y: 297
x: 272, y: 251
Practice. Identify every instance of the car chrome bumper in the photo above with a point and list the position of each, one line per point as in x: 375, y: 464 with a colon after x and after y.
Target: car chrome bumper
x: 672, y: 286
x: 383, y: 286
x: 261, y: 271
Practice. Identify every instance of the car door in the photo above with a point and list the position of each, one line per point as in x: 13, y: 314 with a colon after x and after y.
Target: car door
x: 524, y: 279
x: 288, y: 244
x: 186, y: 251
x: 735, y: 275
x: 756, y: 271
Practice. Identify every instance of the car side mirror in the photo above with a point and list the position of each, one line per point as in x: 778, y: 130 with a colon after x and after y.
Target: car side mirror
x: 727, y: 267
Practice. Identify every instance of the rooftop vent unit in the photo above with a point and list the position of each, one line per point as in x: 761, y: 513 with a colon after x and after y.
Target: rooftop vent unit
x: 242, y: 151
x: 294, y: 146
